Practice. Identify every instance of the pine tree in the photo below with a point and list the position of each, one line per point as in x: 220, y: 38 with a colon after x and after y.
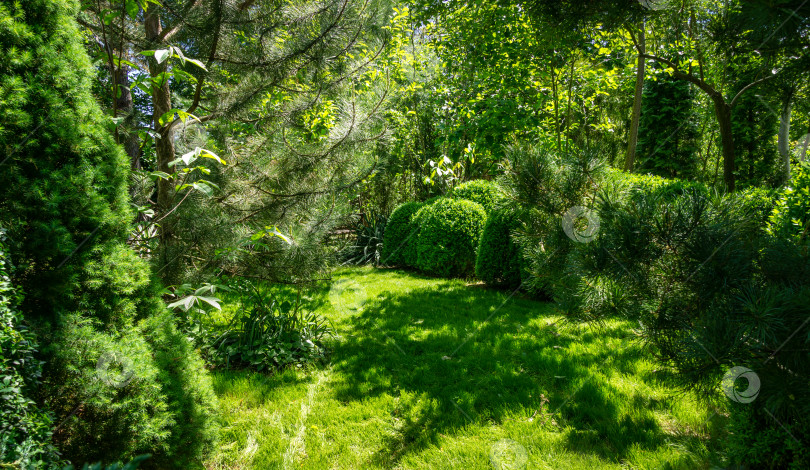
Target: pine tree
x: 280, y: 87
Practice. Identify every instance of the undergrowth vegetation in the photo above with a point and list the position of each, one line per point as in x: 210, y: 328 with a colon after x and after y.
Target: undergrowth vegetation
x: 256, y: 330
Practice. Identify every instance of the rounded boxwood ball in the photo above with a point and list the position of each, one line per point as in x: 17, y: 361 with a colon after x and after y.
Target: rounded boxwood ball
x: 499, y: 259
x: 486, y: 193
x: 448, y: 237
x: 399, y: 240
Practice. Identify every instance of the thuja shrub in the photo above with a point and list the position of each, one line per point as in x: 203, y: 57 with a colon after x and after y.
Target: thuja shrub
x: 499, y: 260
x: 399, y: 242
x: 450, y: 230
x: 92, y: 302
x: 486, y: 193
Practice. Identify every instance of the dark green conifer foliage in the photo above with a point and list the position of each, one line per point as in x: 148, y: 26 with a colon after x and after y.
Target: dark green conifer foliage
x: 668, y: 133
x: 64, y: 201
x: 63, y: 182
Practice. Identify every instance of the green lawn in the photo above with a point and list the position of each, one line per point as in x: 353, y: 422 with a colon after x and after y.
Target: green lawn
x: 432, y: 373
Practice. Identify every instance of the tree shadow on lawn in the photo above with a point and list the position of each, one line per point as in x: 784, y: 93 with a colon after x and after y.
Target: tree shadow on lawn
x: 453, y: 357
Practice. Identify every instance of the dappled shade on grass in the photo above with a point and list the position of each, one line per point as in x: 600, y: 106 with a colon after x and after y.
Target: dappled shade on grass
x: 431, y: 373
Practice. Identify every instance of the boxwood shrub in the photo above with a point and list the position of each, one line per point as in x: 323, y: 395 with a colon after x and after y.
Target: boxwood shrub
x: 448, y: 237
x: 399, y: 241
x: 486, y: 193
x: 498, y: 261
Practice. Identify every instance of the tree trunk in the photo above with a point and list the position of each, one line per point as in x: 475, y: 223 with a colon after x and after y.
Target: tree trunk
x: 784, y: 136
x: 632, y: 139
x: 723, y: 112
x: 164, y: 146
x: 556, y: 105
x: 803, y: 153
x: 125, y: 107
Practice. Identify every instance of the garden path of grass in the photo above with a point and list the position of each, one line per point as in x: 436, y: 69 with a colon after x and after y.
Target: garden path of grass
x: 432, y: 373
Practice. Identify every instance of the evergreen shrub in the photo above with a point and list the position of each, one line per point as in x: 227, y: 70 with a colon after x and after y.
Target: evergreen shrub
x: 450, y: 230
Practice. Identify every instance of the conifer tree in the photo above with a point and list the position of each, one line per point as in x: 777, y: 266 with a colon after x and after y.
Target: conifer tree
x: 92, y: 301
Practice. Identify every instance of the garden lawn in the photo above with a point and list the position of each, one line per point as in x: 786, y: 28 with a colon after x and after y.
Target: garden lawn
x: 432, y: 373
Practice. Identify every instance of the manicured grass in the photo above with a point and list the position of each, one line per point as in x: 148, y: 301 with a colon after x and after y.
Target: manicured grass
x: 432, y: 373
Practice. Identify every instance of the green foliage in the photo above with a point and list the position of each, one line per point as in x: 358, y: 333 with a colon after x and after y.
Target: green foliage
x: 499, y: 260
x: 710, y: 290
x: 186, y: 388
x: 668, y: 132
x: 63, y: 184
x: 791, y: 216
x: 264, y: 334
x: 756, y: 441
x: 401, y: 235
x: 486, y: 193
x: 449, y: 232
x: 118, y: 376
x: 758, y: 204
x: 320, y: 77
x: 545, y: 185
x: 25, y: 429
x: 755, y: 124
x: 638, y: 186
x: 131, y: 465
x: 147, y: 382
x: 707, y: 285
x: 369, y: 236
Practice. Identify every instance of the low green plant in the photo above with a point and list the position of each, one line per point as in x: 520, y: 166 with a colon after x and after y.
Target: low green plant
x: 263, y: 335
x: 399, y: 245
x: 369, y: 235
x: 486, y: 193
x: 755, y: 441
x: 499, y: 259
x: 711, y: 290
x: 147, y: 382
x: 131, y: 465
x: 449, y: 232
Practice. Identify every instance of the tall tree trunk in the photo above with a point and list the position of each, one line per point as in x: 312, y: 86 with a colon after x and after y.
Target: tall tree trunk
x: 125, y: 106
x: 556, y: 100
x: 632, y: 139
x: 784, y: 135
x: 805, y: 145
x: 723, y: 112
x: 164, y: 145
x: 568, y: 105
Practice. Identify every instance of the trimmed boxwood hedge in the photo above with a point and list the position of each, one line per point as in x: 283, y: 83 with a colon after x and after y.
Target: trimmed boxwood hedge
x: 399, y: 241
x: 448, y: 236
x: 499, y: 260
x: 486, y: 193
